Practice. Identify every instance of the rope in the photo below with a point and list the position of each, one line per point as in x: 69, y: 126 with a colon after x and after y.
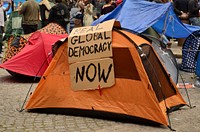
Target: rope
x: 165, y: 23
x: 175, y: 20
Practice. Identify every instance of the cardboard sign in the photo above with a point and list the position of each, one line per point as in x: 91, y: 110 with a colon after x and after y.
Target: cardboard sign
x: 88, y: 75
x: 89, y: 52
x: 90, y: 42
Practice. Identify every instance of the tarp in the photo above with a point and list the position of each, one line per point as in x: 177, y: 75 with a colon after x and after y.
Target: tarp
x: 139, y: 15
x: 35, y: 57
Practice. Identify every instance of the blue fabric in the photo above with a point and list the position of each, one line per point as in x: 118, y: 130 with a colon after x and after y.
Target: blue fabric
x: 17, y: 1
x: 138, y: 15
x: 5, y: 5
x: 198, y: 66
x: 16, y: 4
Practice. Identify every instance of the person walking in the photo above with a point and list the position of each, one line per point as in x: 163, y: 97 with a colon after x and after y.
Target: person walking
x: 45, y: 6
x: 88, y: 13
x: 108, y: 7
x: 59, y: 14
x: 30, y: 11
x: 2, y: 22
x: 80, y: 5
x: 99, y: 5
x: 181, y: 10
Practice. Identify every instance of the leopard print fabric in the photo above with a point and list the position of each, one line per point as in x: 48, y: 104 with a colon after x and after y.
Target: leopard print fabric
x: 13, y: 50
x: 51, y: 28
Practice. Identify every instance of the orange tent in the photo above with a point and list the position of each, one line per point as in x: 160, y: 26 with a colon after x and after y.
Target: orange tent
x: 142, y: 86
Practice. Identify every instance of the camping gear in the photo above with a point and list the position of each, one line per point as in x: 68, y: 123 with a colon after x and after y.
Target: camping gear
x: 38, y: 43
x: 166, y: 56
x: 142, y: 88
x: 35, y: 57
x: 51, y: 28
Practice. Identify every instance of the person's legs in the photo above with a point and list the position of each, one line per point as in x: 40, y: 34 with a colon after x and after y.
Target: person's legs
x: 25, y: 29
x: 33, y: 28
x: 1, y: 40
x: 29, y: 28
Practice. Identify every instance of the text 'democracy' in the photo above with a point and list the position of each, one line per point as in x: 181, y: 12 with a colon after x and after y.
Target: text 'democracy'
x: 89, y: 46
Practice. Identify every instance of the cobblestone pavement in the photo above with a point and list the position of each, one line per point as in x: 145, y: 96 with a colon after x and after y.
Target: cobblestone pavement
x: 13, y: 93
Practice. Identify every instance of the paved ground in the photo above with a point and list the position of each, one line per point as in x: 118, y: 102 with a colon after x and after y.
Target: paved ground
x: 13, y: 93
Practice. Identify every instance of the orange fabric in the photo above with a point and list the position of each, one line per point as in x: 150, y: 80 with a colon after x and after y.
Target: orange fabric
x: 132, y: 93
x: 169, y: 87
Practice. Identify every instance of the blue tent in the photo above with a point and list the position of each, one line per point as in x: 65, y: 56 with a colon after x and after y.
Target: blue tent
x: 139, y: 15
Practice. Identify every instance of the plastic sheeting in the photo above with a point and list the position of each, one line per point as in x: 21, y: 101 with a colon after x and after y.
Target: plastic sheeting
x: 139, y: 15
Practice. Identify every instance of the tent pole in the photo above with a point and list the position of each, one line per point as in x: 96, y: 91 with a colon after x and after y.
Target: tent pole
x: 186, y: 91
x: 142, y: 54
x: 22, y: 107
x: 164, y: 98
x: 171, y: 128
